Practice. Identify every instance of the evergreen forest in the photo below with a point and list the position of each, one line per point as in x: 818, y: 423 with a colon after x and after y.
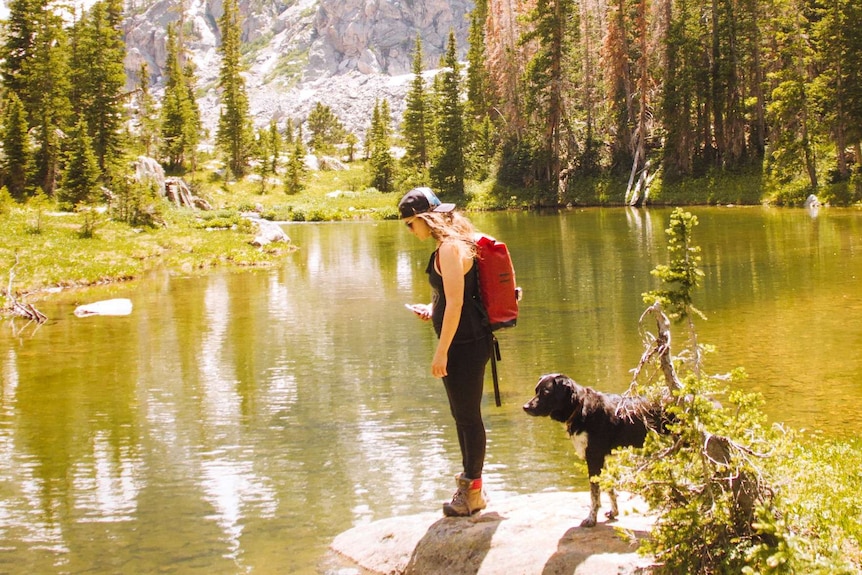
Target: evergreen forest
x: 557, y: 102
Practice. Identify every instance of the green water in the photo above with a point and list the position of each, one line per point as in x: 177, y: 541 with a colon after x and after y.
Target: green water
x: 235, y: 423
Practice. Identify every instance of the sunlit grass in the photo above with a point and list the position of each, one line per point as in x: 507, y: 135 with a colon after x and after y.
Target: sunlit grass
x: 56, y: 256
x: 329, y: 195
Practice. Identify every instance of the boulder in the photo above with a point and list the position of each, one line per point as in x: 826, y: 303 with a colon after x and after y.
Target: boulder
x: 149, y: 170
x: 537, y: 534
x: 180, y: 195
x: 328, y: 163
x: 267, y: 232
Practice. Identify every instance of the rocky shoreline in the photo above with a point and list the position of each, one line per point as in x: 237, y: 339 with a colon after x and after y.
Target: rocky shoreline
x: 523, y: 535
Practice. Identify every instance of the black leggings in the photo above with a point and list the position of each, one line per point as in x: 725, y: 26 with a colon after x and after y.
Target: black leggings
x: 464, y: 386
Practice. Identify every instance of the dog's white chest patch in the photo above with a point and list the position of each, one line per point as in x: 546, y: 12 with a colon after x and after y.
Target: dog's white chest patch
x: 580, y: 440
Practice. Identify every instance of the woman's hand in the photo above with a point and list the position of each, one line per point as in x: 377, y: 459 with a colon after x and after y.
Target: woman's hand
x: 422, y: 310
x: 438, y: 364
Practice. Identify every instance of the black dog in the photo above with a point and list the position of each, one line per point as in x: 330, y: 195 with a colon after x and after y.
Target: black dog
x: 597, y: 423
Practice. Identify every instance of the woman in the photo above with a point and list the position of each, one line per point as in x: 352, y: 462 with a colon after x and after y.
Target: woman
x: 464, y: 340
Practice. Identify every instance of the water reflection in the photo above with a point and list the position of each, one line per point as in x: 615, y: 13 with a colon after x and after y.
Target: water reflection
x: 106, y: 487
x: 236, y: 422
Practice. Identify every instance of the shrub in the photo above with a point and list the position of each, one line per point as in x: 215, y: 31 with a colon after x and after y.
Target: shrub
x: 91, y: 219
x: 38, y: 204
x: 6, y: 201
x: 138, y: 204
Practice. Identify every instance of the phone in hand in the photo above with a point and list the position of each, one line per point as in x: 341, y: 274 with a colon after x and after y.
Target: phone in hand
x: 419, y: 309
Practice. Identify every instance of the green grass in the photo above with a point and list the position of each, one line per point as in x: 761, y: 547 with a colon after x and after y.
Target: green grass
x: 328, y: 196
x: 57, y: 256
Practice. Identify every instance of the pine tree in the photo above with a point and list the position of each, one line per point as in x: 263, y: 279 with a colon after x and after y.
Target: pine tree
x: 680, y: 67
x: 50, y: 108
x: 325, y: 129
x: 619, y: 85
x: 22, y: 28
x: 351, y: 140
x: 296, y: 170
x: 194, y: 127
x: 288, y: 133
x: 34, y: 65
x: 98, y: 76
x: 484, y: 148
x: 838, y: 86
x: 448, y: 168
x: 477, y: 120
x: 477, y: 73
x: 275, y: 146
x: 234, y: 135
x: 180, y: 117
x: 416, y: 123
x: 16, y: 162
x: 268, y: 148
x: 146, y: 121
x: 82, y: 172
x: 381, y: 161
x: 546, y: 99
x: 791, y: 107
x: 263, y: 165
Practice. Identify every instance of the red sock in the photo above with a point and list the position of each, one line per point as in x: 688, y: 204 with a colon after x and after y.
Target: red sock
x: 476, y: 484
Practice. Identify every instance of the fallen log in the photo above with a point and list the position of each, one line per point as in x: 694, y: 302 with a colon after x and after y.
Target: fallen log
x: 28, y: 311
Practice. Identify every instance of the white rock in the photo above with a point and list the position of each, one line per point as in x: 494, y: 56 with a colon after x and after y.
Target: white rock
x: 119, y: 306
x: 531, y: 534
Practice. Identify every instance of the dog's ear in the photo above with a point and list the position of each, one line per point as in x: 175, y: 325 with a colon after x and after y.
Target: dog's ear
x: 562, y: 381
x: 566, y: 384
x: 548, y: 379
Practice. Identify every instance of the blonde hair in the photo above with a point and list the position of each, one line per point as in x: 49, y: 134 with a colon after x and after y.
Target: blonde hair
x: 451, y: 227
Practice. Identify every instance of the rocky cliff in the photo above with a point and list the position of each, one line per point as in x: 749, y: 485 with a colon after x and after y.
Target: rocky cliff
x: 343, y: 53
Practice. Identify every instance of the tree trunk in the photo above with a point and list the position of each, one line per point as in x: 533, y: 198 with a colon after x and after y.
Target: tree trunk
x: 636, y: 195
x: 810, y: 165
x: 556, y: 113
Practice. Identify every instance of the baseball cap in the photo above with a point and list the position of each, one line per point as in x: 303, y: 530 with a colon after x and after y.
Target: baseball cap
x: 421, y: 200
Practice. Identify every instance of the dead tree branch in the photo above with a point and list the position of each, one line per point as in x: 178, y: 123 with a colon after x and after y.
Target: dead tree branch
x: 721, y: 458
x: 18, y: 308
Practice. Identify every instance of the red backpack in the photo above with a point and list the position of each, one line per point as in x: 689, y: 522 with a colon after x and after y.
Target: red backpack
x: 498, y: 292
x: 497, y: 287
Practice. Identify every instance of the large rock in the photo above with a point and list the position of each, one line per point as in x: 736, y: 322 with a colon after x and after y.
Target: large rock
x: 379, y: 37
x: 149, y: 171
x: 267, y: 232
x: 523, y: 535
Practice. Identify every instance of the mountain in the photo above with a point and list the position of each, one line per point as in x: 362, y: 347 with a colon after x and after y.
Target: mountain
x: 345, y: 54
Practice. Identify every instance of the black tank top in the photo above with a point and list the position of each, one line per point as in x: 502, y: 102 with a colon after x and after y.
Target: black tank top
x: 473, y: 323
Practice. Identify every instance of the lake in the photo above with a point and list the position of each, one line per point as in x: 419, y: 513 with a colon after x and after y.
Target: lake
x: 236, y: 422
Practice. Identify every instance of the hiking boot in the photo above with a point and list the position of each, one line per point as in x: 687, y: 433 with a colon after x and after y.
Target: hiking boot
x: 467, y: 500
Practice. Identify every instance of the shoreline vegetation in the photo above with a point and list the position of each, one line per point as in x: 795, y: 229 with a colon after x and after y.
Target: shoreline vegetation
x: 45, y: 251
